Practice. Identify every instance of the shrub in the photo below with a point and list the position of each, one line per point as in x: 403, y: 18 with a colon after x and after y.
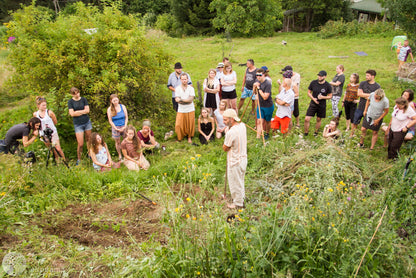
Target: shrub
x: 354, y: 28
x: 100, y: 52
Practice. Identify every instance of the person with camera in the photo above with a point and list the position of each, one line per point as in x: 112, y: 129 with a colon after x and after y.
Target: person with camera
x: 20, y: 131
x: 48, y: 126
x: 78, y: 108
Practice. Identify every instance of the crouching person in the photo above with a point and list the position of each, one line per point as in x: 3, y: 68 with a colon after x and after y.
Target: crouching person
x: 99, y: 154
x: 131, y: 148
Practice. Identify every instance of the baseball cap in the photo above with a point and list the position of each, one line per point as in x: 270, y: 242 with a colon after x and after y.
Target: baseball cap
x: 287, y: 68
x: 220, y: 65
x: 230, y: 113
x: 178, y: 65
x: 322, y: 73
x: 265, y: 68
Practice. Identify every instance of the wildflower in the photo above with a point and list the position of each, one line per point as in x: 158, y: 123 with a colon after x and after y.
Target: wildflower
x: 194, y: 218
x: 180, y: 206
x: 327, y: 204
x: 330, y: 189
x: 210, y: 216
x: 313, y: 218
x: 200, y: 219
x: 198, y: 155
x: 332, y: 224
x: 187, y: 216
x: 342, y: 183
x: 364, y: 200
x: 164, y: 174
x: 198, y: 273
x: 240, y: 210
x: 192, y: 158
x: 188, y: 199
x: 154, y: 176
x: 349, y: 198
x: 2, y: 193
x: 176, y: 209
x: 200, y: 181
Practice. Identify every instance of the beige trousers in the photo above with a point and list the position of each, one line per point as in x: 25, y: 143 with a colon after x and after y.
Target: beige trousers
x: 235, y: 176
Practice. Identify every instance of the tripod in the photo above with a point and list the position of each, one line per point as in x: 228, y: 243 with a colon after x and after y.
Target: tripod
x: 52, y: 148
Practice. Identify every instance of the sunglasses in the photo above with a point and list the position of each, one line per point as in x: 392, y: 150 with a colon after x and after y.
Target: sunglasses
x: 259, y: 74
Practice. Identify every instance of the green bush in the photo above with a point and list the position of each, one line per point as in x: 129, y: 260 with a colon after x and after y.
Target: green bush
x: 100, y: 52
x: 354, y: 28
x: 167, y: 23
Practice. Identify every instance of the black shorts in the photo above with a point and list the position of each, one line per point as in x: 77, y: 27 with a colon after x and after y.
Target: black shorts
x: 373, y: 127
x: 296, y: 108
x: 315, y: 109
x: 229, y: 95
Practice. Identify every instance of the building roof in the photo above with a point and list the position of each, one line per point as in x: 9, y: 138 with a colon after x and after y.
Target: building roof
x: 369, y: 6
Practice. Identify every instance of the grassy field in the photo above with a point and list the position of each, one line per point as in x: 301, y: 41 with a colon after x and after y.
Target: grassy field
x: 311, y: 207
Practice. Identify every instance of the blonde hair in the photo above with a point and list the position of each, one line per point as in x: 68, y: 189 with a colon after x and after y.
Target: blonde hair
x: 380, y: 93
x: 40, y: 99
x: 341, y: 67
x: 228, y: 64
x: 208, y: 111
x: 112, y: 107
x: 224, y: 101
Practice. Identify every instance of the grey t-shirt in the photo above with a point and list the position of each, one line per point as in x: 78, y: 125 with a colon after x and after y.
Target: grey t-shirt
x: 250, y: 78
x: 15, y: 133
x: 376, y: 108
x: 337, y: 90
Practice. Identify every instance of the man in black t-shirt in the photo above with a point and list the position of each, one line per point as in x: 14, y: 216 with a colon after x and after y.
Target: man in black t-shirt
x: 20, y: 131
x: 318, y: 91
x: 364, y: 90
x: 247, y: 88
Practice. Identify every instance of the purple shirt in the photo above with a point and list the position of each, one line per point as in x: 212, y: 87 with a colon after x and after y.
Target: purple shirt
x: 145, y: 139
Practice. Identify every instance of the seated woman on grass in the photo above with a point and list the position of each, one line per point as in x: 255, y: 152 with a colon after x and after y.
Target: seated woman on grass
x: 147, y: 137
x: 331, y: 131
x: 219, y: 119
x: 133, y: 157
x: 206, y: 126
x: 99, y: 154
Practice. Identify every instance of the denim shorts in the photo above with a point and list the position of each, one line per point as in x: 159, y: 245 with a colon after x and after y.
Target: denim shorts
x: 248, y: 93
x: 83, y: 127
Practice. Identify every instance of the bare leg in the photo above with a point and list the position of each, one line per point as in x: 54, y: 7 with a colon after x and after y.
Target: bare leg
x: 118, y: 147
x: 363, y: 133
x: 307, y: 124
x: 297, y: 121
x: 80, y: 142
x: 241, y: 103
x: 318, y: 124
x: 353, y: 128
x: 233, y: 104
x: 348, y: 123
x: 374, y: 139
x: 59, y: 150
x: 259, y: 127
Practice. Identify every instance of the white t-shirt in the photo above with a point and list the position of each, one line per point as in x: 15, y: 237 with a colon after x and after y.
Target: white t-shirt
x: 179, y: 92
x: 220, y: 119
x: 296, y: 81
x: 236, y: 138
x: 288, y: 97
x: 400, y: 119
x: 229, y: 77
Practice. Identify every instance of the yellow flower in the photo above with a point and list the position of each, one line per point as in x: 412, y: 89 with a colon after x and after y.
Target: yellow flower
x: 210, y: 215
x: 198, y: 155
x: 176, y: 209
x: 198, y: 273
x: 200, y: 219
x: 188, y: 199
x: 342, y: 183
x: 180, y: 206
x: 339, y: 212
x: 240, y: 210
x: 194, y: 218
x: 192, y: 158
x: 154, y: 177
x: 2, y: 193
x: 313, y: 218
x: 330, y: 189
x: 187, y: 216
x: 164, y: 174
x: 333, y: 225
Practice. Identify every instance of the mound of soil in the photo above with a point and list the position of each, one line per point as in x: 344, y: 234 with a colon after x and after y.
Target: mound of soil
x: 111, y: 224
x: 407, y: 72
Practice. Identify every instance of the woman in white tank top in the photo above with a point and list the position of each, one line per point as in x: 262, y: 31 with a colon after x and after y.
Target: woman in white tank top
x: 48, y: 119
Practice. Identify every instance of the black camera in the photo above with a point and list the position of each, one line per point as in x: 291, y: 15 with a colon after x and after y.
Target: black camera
x: 47, y: 134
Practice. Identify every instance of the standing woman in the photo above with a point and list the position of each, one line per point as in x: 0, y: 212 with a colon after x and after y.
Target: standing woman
x: 100, y: 156
x: 376, y: 107
x: 118, y: 119
x: 337, y: 84
x: 403, y: 118
x: 228, y: 81
x: 350, y: 100
x: 133, y: 157
x: 78, y: 109
x: 48, y: 120
x: 211, y: 89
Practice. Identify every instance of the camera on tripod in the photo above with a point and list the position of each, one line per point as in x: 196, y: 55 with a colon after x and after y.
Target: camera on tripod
x: 47, y: 134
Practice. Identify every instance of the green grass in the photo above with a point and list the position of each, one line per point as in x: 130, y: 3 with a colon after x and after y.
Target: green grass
x: 311, y: 207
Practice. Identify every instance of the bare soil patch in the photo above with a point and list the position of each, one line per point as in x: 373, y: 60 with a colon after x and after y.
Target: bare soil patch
x: 111, y: 224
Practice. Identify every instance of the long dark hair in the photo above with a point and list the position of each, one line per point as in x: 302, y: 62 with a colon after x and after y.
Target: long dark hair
x: 112, y: 107
x: 136, y: 140
x: 93, y: 143
x: 32, y: 122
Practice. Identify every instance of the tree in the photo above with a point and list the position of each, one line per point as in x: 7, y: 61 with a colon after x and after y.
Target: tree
x: 255, y: 17
x: 193, y: 16
x: 100, y: 52
x: 314, y: 13
x: 403, y: 11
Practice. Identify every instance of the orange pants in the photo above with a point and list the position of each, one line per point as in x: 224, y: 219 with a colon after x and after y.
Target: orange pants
x: 283, y: 123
